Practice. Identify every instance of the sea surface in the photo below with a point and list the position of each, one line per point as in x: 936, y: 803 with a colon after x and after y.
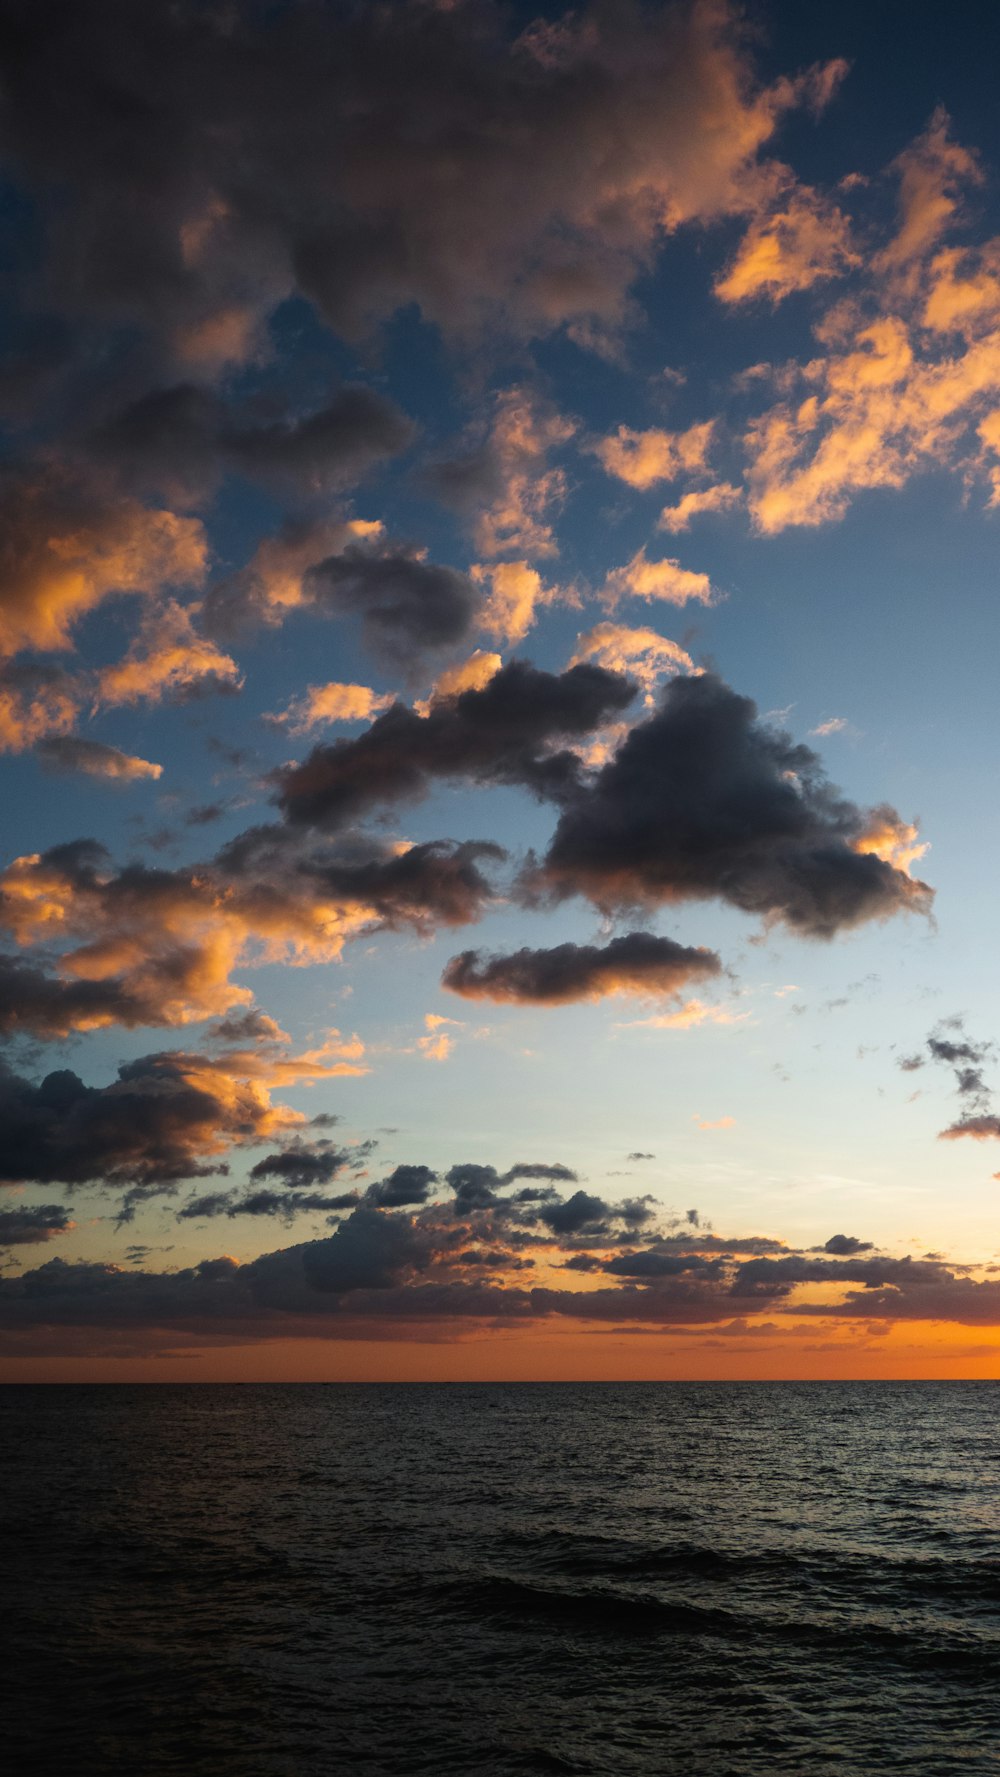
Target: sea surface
x: 616, y: 1579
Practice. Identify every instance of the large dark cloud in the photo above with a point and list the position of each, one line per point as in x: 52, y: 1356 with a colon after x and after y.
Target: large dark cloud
x: 165, y: 1118
x: 194, y: 168
x: 704, y: 800
x: 637, y: 963
x: 380, y: 1271
x: 504, y: 733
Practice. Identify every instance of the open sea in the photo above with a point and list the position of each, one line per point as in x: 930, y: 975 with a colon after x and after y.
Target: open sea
x: 622, y: 1580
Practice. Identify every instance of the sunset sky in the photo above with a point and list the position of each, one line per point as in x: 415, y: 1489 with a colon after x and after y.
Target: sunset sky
x: 498, y: 695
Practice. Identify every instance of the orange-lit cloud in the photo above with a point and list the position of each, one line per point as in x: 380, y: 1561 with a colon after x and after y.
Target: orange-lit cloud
x: 641, y: 459
x: 168, y: 658
x: 35, y: 701
x: 516, y: 594
x: 666, y: 580
x: 895, y: 841
x: 692, y: 1013
x: 932, y: 172
x: 68, y: 545
x: 720, y: 498
x: 322, y: 705
x: 645, y: 655
x: 798, y: 239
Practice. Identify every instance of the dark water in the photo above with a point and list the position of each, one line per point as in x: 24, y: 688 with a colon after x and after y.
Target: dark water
x: 614, y: 1579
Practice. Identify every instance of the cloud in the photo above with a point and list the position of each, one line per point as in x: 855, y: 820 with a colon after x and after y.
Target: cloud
x: 798, y: 239
x: 949, y: 1044
x: 932, y: 173
x: 141, y: 946
x: 35, y: 702
x: 720, y: 498
x: 845, y: 1245
x: 504, y: 732
x: 703, y: 800
x: 167, y: 1117
x: 637, y: 964
x: 30, y: 1225
x: 641, y: 459
x: 406, y: 1184
x: 406, y: 605
x: 68, y: 543
x: 180, y: 441
x: 385, y: 1268
x: 643, y: 654
x: 501, y: 483
x: 168, y: 659
x: 285, y: 1205
x: 323, y: 705
x: 301, y: 1164
x: 516, y: 593
x: 469, y: 675
x: 70, y: 752
x: 420, y: 156
x: 276, y: 580
x: 666, y: 580
x: 906, y: 376
x: 693, y: 1012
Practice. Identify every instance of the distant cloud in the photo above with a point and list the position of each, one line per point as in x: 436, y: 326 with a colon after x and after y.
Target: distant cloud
x: 92, y: 758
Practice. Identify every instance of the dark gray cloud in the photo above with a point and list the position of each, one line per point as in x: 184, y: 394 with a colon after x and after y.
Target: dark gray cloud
x: 163, y: 1119
x: 380, y: 1270
x: 285, y: 1205
x: 950, y: 1045
x: 304, y: 1163
x: 178, y: 442
x: 704, y: 800
x: 477, y: 1186
x: 772, y: 1277
x: 30, y: 1224
x: 843, y: 1245
x: 637, y: 963
x: 406, y: 1184
x: 407, y: 606
x: 503, y: 733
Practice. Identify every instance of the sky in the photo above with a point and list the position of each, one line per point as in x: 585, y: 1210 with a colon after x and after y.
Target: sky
x: 498, y: 640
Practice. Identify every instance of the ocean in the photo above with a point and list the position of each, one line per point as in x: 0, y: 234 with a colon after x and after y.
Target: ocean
x: 617, y: 1580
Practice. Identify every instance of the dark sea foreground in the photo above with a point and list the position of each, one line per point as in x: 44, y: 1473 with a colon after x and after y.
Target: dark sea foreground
x: 270, y: 1581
